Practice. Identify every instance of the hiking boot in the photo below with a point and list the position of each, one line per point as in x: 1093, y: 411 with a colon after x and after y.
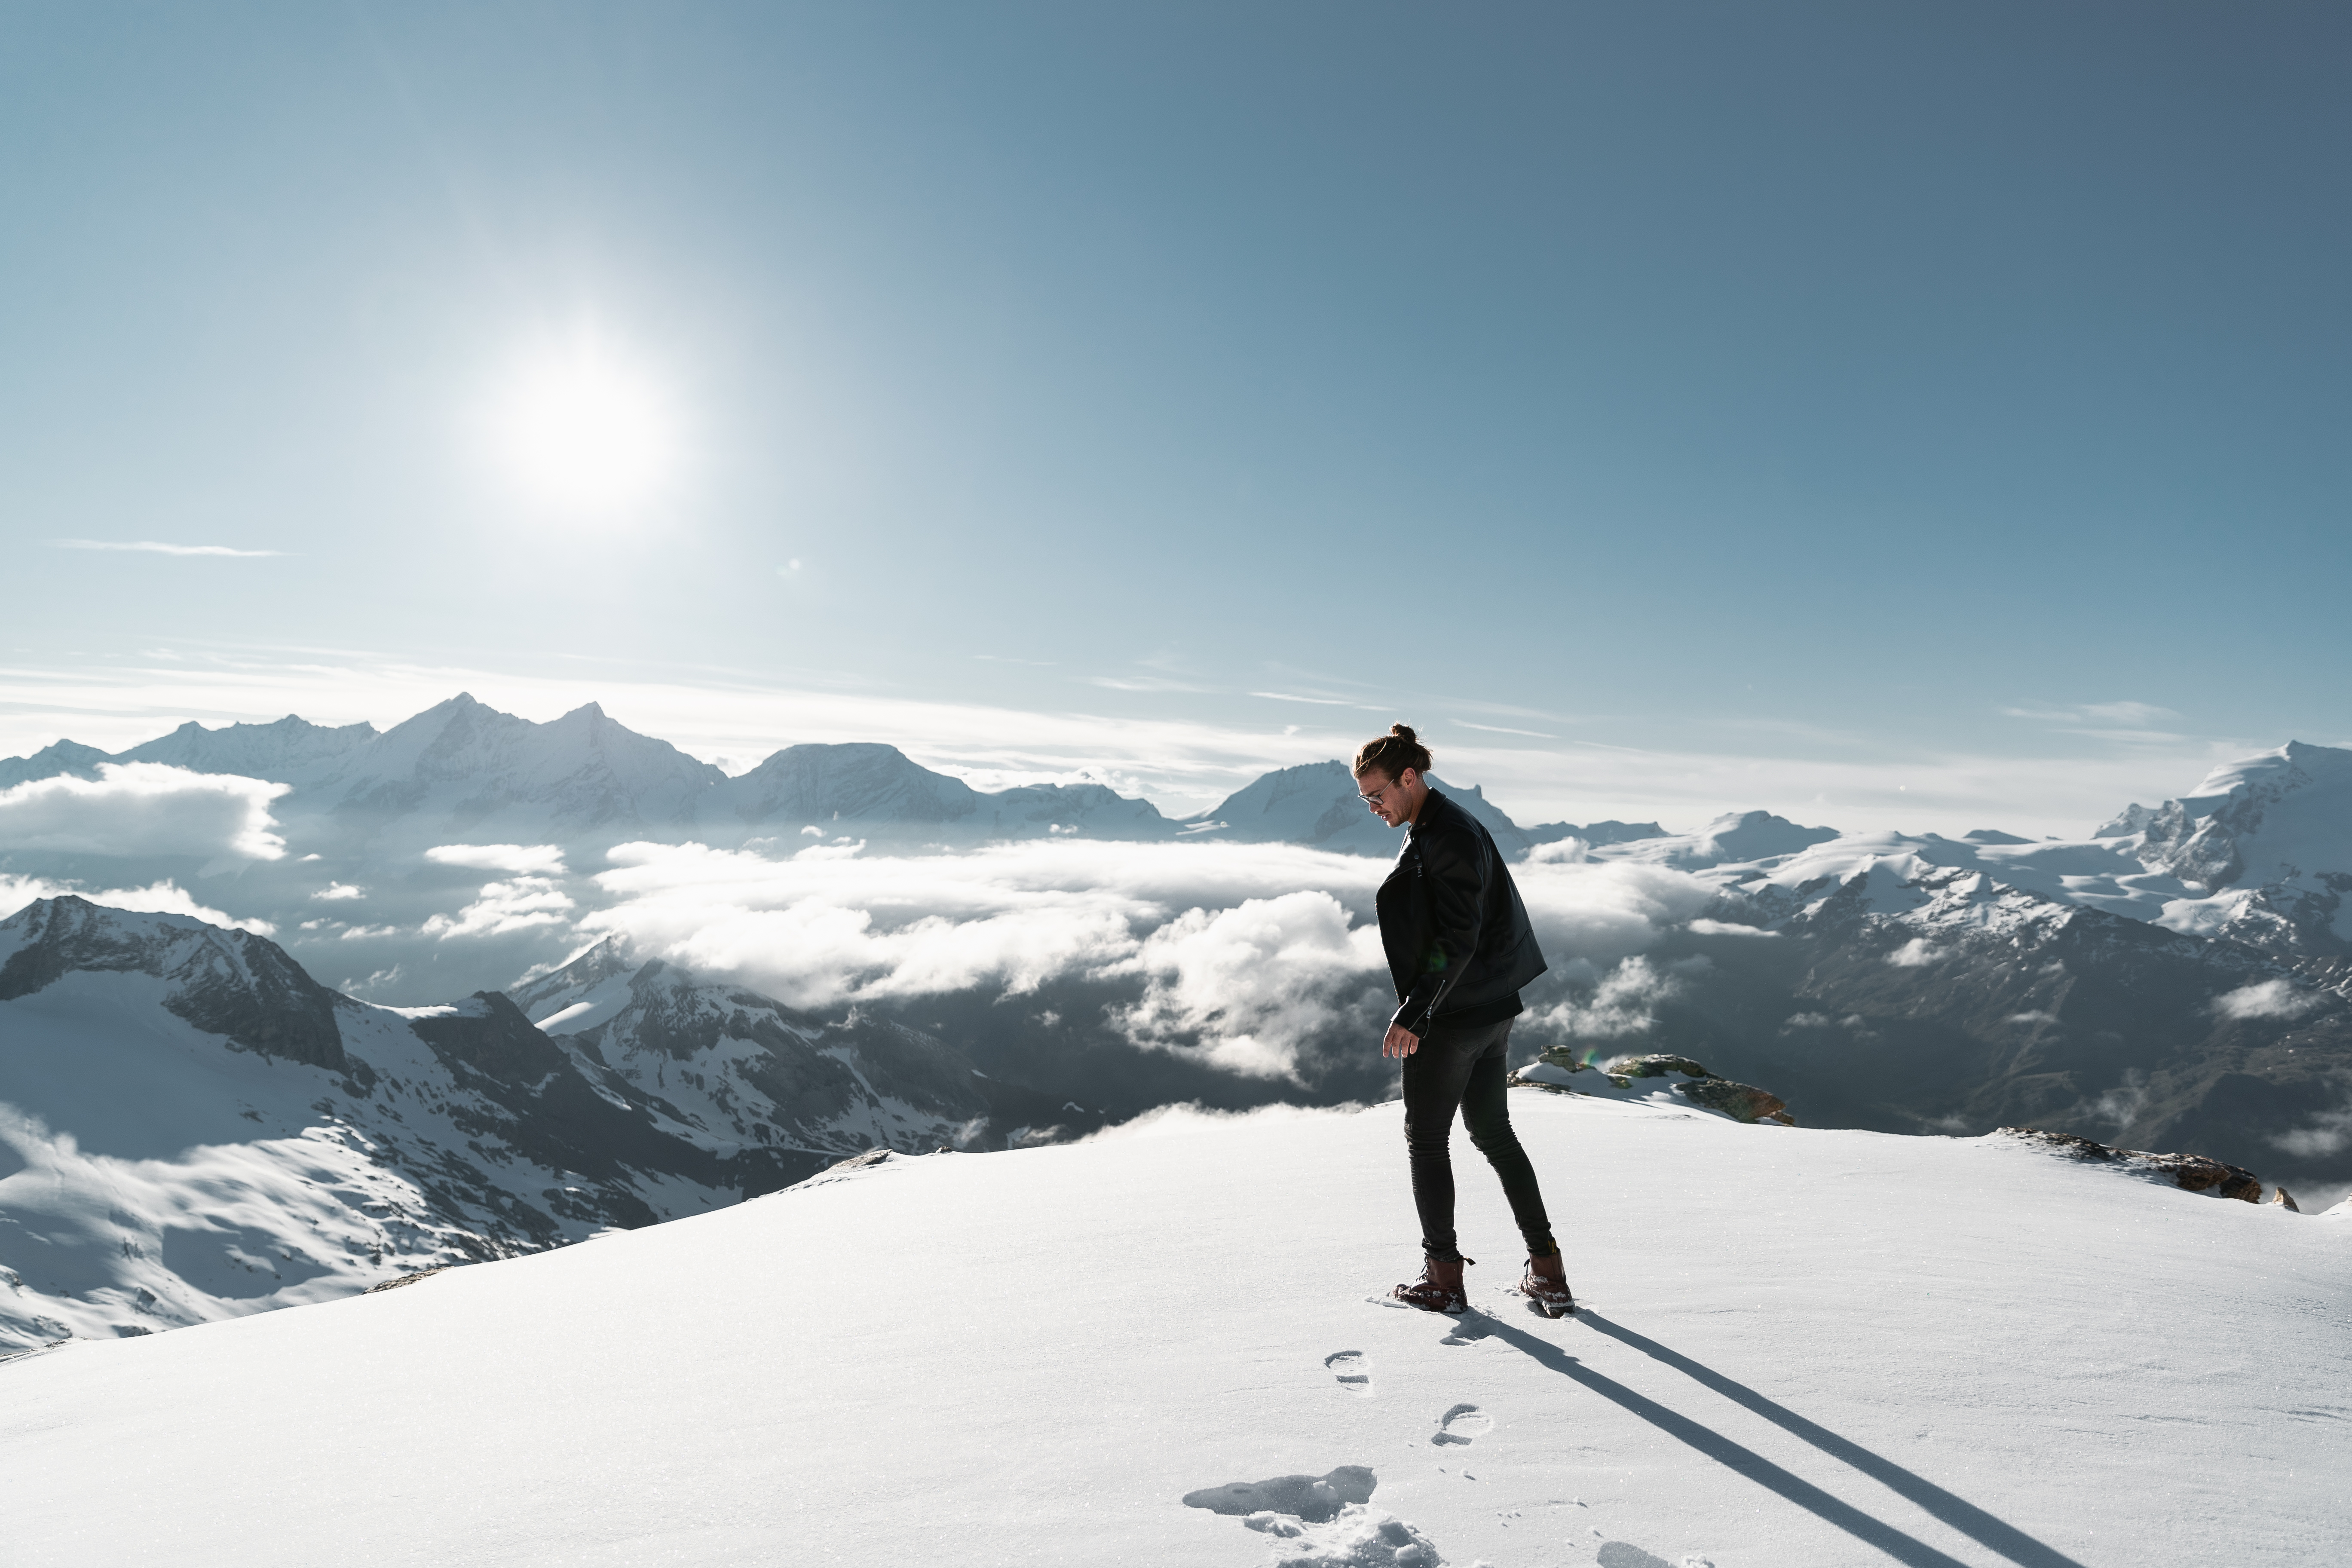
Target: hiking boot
x: 1546, y: 1284
x: 1439, y: 1289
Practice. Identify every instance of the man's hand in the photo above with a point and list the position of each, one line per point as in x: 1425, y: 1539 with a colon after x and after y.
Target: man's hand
x: 1399, y: 1042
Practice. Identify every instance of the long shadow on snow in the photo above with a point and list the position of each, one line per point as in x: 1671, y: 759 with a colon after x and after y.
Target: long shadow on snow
x: 1957, y: 1512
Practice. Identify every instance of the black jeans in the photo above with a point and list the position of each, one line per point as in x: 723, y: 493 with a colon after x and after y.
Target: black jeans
x: 1465, y: 1069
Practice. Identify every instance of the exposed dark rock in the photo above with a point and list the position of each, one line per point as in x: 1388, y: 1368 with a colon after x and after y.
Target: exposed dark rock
x: 1741, y: 1102
x: 2285, y: 1200
x: 1656, y: 1067
x: 489, y: 1035
x: 409, y: 1278
x: 555, y: 1117
x: 2192, y: 1172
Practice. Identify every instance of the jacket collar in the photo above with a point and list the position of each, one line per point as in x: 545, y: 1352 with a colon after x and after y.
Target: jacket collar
x: 1435, y: 805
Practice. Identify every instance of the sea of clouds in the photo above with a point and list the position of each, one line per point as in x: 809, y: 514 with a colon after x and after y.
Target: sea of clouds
x: 1243, y: 953
x: 1245, y: 956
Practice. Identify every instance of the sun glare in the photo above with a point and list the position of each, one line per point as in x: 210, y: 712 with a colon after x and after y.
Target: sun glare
x: 582, y: 432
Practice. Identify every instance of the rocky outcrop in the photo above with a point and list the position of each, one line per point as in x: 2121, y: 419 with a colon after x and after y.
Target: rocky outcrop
x: 1740, y: 1102
x: 2285, y: 1200
x: 2192, y: 1172
x: 1656, y: 1067
x: 1557, y: 1067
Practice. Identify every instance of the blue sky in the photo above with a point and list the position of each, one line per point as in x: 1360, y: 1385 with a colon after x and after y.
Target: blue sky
x: 1883, y: 413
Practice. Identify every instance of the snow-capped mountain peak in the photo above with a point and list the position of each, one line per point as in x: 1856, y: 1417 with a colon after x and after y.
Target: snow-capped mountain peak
x: 285, y: 750
x: 224, y: 982
x: 463, y: 763
x: 2264, y: 848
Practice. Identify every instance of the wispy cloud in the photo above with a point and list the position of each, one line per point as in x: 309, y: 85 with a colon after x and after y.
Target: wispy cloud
x: 1294, y: 697
x: 1505, y: 730
x: 2107, y: 720
x: 156, y: 547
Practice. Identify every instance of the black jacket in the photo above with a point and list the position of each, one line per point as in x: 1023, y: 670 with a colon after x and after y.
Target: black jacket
x: 1457, y: 935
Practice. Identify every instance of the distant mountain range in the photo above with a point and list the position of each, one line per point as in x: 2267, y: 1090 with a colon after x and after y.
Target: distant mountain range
x: 461, y: 768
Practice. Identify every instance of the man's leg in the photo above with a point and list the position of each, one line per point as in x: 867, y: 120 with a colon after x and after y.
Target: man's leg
x: 1433, y: 1079
x: 1485, y: 1111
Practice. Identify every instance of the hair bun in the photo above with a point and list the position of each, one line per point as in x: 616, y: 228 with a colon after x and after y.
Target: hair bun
x: 1392, y: 753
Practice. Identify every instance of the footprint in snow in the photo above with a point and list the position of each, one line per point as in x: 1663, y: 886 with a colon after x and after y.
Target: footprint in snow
x: 1624, y: 1554
x: 1314, y: 1499
x: 1353, y: 1371
x: 1325, y: 1522
x: 1463, y: 1424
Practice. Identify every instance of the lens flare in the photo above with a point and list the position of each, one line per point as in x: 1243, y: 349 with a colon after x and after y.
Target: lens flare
x: 581, y: 431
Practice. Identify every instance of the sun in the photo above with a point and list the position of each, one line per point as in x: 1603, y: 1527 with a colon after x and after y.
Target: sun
x: 580, y: 431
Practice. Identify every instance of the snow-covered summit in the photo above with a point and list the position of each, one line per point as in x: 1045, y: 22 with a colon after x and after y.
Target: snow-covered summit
x: 877, y: 789
x: 1738, y: 838
x: 1317, y: 804
x: 2263, y: 847
x: 465, y: 766
x: 69, y: 758
x: 287, y: 750
x: 1824, y: 1348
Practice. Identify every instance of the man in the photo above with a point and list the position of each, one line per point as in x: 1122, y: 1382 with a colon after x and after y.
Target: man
x: 1459, y: 948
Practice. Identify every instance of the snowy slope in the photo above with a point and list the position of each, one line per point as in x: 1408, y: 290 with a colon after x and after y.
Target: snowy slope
x: 61, y: 757
x: 191, y: 1129
x: 1800, y: 1348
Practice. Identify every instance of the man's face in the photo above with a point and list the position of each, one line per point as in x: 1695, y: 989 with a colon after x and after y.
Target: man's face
x: 1389, y: 799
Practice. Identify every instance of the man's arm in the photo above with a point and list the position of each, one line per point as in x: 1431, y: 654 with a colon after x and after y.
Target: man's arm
x: 1454, y: 876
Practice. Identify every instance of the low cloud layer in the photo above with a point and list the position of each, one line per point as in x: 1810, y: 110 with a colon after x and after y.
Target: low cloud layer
x: 503, y: 908
x: 522, y: 860
x: 1623, y: 1007
x: 1247, y: 986
x: 1245, y: 954
x: 144, y: 808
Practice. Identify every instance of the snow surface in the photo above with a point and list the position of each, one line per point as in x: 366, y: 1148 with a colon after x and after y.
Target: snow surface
x: 1800, y: 1347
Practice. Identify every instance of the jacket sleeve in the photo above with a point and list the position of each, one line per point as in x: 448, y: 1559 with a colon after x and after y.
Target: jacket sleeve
x: 1454, y: 881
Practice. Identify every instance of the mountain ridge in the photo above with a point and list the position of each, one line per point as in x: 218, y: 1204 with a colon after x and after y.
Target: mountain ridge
x: 192, y: 1127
